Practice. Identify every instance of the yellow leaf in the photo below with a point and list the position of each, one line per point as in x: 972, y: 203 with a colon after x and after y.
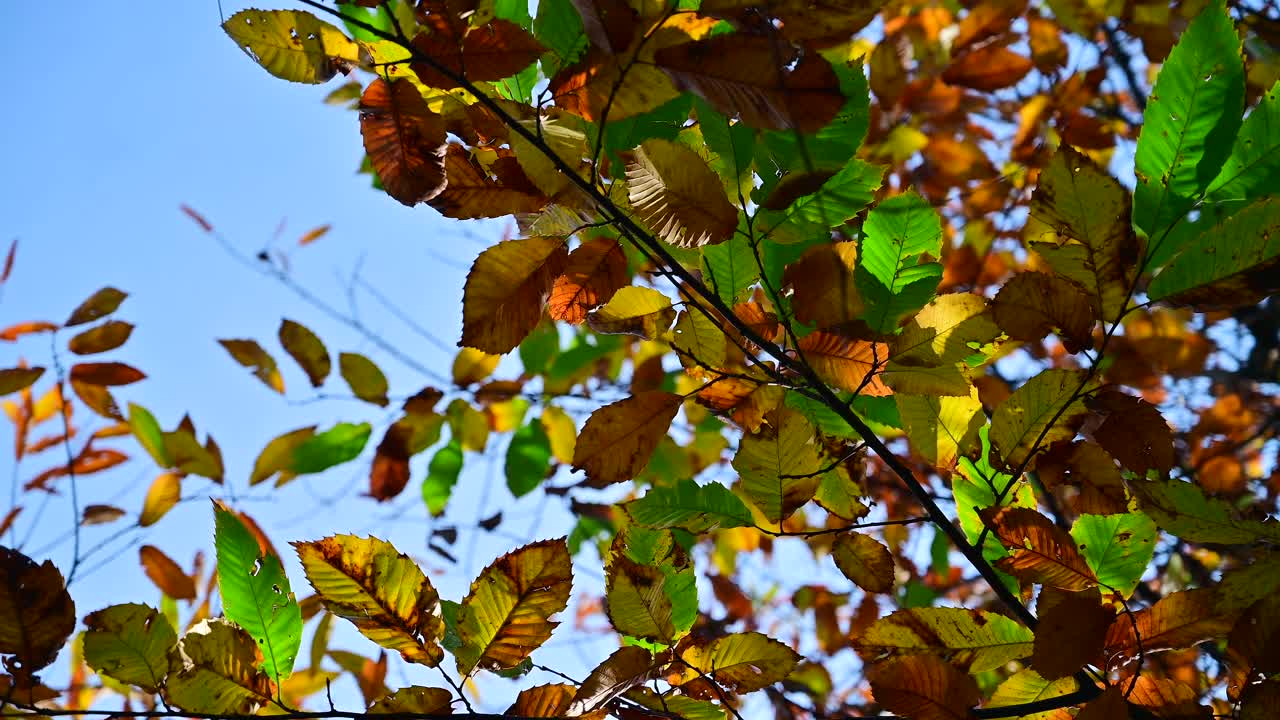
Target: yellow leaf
x: 864, y: 560
x: 742, y: 662
x: 364, y: 378
x: 506, y: 615
x: 129, y: 643
x: 637, y: 601
x: 380, y: 590
x: 779, y: 465
x: 251, y: 355
x: 471, y: 366
x: 162, y: 496
x: 562, y: 435
x: 634, y: 310
x: 941, y: 428
x: 292, y: 45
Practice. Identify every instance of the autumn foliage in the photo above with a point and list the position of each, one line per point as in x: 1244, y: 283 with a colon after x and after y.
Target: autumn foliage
x: 973, y: 301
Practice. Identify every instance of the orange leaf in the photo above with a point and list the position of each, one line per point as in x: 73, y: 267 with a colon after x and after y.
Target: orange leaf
x: 988, y: 68
x: 107, y: 336
x: 848, y: 364
x: 1039, y: 551
x: 166, y: 574
x: 923, y: 687
x: 314, y: 234
x: 404, y: 139
x: 596, y: 270
x: 494, y: 51
x: 251, y: 355
x: 87, y: 462
x: 505, y: 290
x: 14, y: 379
x: 618, y: 439
x: 98, y: 399
x: 105, y: 374
x: 13, y: 332
x: 746, y: 76
x: 823, y: 287
x: 102, y: 302
x: 1169, y: 698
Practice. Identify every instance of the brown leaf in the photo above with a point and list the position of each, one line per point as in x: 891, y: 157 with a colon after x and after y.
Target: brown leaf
x: 543, y: 701
x: 14, y: 379
x: 37, y: 615
x: 306, y: 349
x: 166, y: 574
x: 251, y: 355
x: 13, y: 332
x: 8, y: 261
x: 404, y: 139
x: 1110, y: 705
x: 988, y: 68
x: 505, y: 290
x: 107, y: 336
x: 196, y: 217
x: 490, y: 52
x: 618, y: 439
x: 364, y: 377
x: 595, y: 270
x: 473, y: 192
x: 822, y: 282
x: 1071, y: 633
x: 922, y: 687
x: 1088, y: 468
x: 864, y: 560
x: 624, y: 669
x: 1179, y: 620
x: 1039, y: 551
x: 1169, y: 698
x: 609, y: 24
x: 102, y: 302
x: 747, y: 76
x: 851, y: 365
x: 1032, y: 305
x: 98, y: 399
x: 1134, y: 432
x: 101, y: 514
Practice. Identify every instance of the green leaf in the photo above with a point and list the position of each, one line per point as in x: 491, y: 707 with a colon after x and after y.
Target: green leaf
x: 1040, y: 412
x: 528, y: 458
x: 976, y: 488
x: 129, y: 643
x: 690, y: 507
x: 539, y: 348
x: 149, y: 435
x: 256, y: 595
x: 730, y: 267
x: 291, y: 44
x: 1212, y: 274
x: 1253, y: 169
x: 731, y: 143
x: 1026, y: 686
x: 1181, y: 508
x: 637, y: 602
x: 1117, y: 547
x: 839, y: 199
x: 559, y: 28
x: 890, y: 275
x: 364, y: 377
x: 341, y: 443
x: 1188, y: 127
x: 442, y: 475
x: 838, y: 140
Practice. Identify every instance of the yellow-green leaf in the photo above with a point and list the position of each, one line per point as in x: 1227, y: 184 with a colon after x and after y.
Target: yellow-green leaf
x: 678, y: 197
x: 1044, y: 410
x: 251, y: 355
x: 364, y: 377
x: 742, y: 662
x: 380, y: 590
x: 973, y: 640
x: 506, y: 615
x: 214, y: 669
x: 941, y: 428
x: 292, y: 45
x: 306, y: 349
x: 864, y: 560
x: 634, y: 310
x: 637, y: 602
x: 129, y: 643
x: 779, y: 465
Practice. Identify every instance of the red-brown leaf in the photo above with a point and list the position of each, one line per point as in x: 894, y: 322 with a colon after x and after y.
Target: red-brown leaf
x: 405, y: 141
x: 988, y: 68
x: 105, y: 373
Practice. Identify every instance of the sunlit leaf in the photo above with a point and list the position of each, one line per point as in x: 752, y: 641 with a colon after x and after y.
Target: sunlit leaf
x: 505, y: 616
x: 166, y: 574
x: 306, y: 349
x: 779, y: 465
x: 1253, y: 169
x: 256, y: 594
x: 129, y: 643
x: 251, y: 355
x: 618, y: 439
x: 864, y: 560
x: 742, y: 662
x: 214, y: 670
x: 1179, y: 620
x: 1044, y: 410
x: 506, y: 289
x: 404, y: 139
x: 1181, y: 508
x: 688, y: 506
x: 596, y: 270
x: 292, y: 45
x: 972, y: 640
x: 107, y: 336
x: 892, y: 275
x: 923, y: 688
x: 379, y: 590
x: 678, y: 197
x: 634, y: 310
x: 851, y: 365
x: 1117, y: 547
x: 162, y: 496
x: 364, y: 378
x: 313, y: 453
x: 1027, y: 686
x: 1032, y: 305
x: 1209, y: 275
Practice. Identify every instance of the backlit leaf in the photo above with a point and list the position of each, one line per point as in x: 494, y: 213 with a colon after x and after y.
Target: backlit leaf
x: 1253, y: 169
x: 688, y: 506
x: 634, y: 310
x: 415, y: 700
x: 624, y: 669
x: 214, y: 669
x: 1044, y: 410
x: 251, y: 355
x: 1032, y: 305
x: 823, y: 286
x: 637, y: 601
x: 129, y: 643
x: 105, y: 374
x: 1117, y: 547
x: 14, y: 379
x: 166, y: 574
x: 1181, y: 508
x: 892, y: 275
x: 1179, y: 620
x: 404, y: 139
x: 313, y: 453
x: 596, y: 270
x: 493, y: 51
x: 618, y: 439
x: 505, y: 616
x: 864, y: 560
x: 442, y: 475
x: 742, y: 662
x: 101, y: 303
x: 37, y: 614
x: 506, y: 289
x: 292, y: 45
x: 991, y: 67
x: 779, y: 465
x: 528, y: 458
x: 923, y: 688
x: 972, y: 640
x: 1027, y: 686
x: 364, y: 378
x: 162, y: 496
x: 306, y: 349
x: 1210, y: 275
x: 678, y: 197
x: 256, y: 595
x: 851, y: 365
x: 472, y: 366
x: 380, y: 590
x: 941, y: 428
x: 1039, y: 551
